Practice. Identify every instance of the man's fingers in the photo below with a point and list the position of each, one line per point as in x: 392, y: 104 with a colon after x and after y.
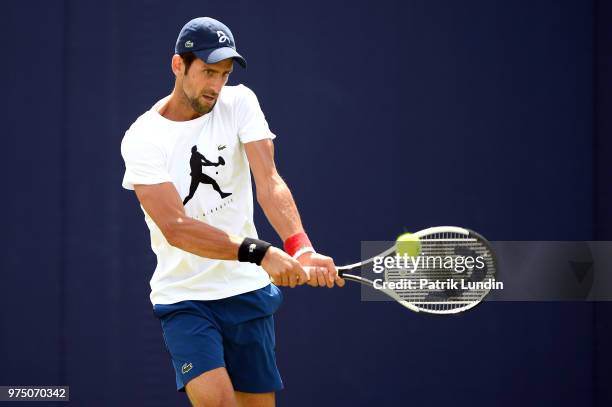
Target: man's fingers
x: 293, y: 276
x: 284, y: 279
x: 324, y: 275
x: 312, y: 278
x: 318, y: 275
x: 329, y: 269
x: 302, y: 275
x: 321, y: 273
x: 332, y: 271
x: 297, y: 275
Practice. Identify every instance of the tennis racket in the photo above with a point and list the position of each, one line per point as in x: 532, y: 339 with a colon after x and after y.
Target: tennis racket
x: 459, y: 288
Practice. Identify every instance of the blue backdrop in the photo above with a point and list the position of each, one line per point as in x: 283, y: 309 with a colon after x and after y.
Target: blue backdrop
x: 493, y: 115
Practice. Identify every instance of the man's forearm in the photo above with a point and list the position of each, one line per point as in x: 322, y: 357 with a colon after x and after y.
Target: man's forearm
x: 279, y: 207
x: 202, y: 239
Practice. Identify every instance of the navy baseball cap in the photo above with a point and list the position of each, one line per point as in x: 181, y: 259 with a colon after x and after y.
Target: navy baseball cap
x: 209, y: 39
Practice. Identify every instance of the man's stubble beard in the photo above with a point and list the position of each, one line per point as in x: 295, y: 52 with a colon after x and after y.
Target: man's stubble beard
x: 196, y: 105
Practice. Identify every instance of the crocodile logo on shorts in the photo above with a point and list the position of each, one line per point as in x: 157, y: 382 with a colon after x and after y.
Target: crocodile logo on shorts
x: 186, y: 367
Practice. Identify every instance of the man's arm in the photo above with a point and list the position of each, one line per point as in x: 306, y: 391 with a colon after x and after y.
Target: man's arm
x: 163, y: 204
x: 279, y: 207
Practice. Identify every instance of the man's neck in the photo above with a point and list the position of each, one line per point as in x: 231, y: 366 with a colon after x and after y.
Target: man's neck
x: 178, y: 109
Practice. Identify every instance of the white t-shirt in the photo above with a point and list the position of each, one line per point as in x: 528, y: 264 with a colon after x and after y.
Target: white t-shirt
x: 204, y: 158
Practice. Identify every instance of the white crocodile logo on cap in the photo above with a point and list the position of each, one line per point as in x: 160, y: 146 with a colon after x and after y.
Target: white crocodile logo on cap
x: 189, y: 44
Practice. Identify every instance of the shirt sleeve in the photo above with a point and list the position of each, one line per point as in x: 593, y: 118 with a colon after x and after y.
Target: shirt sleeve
x: 145, y: 162
x: 252, y: 124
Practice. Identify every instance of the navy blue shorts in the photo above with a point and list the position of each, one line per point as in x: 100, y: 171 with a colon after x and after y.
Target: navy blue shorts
x: 235, y: 332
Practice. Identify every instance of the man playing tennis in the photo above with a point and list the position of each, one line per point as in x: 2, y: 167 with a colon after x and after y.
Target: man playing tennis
x: 196, y: 162
x: 211, y: 288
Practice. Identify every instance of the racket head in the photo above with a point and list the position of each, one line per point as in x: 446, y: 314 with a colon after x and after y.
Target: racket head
x: 441, y: 242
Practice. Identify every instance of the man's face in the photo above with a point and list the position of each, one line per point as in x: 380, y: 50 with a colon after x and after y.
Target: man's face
x: 203, y: 82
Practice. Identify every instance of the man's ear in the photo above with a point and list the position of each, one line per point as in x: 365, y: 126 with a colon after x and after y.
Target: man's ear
x: 178, y: 67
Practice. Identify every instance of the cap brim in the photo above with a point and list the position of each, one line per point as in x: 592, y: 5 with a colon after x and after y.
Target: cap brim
x: 215, y: 55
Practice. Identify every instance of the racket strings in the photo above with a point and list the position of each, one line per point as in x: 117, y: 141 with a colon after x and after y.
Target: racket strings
x: 431, y: 285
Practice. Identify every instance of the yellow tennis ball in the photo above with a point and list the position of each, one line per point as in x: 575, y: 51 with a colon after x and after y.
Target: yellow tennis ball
x: 408, y: 244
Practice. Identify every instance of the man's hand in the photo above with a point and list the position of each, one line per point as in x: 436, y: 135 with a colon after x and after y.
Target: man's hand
x: 323, y: 270
x: 283, y: 269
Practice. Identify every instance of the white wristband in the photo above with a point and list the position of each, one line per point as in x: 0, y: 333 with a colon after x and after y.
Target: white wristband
x: 303, y: 250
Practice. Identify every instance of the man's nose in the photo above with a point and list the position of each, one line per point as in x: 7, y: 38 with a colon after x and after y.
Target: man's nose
x: 217, y: 84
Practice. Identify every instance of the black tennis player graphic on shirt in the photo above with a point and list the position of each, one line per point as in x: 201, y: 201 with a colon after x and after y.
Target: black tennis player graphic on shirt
x: 196, y: 162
